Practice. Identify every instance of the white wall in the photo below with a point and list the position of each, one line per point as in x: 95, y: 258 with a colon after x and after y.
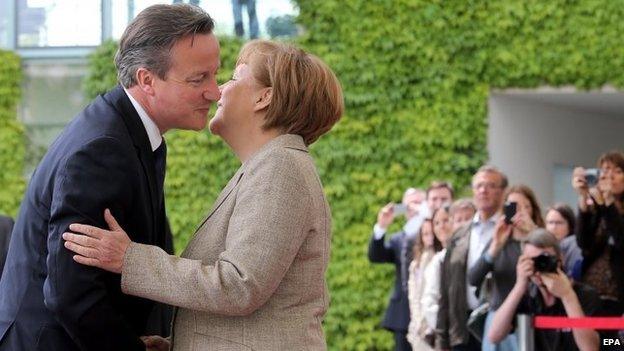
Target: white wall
x: 528, y: 139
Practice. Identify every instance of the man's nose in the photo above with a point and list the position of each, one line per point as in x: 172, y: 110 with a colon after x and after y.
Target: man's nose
x: 213, y: 93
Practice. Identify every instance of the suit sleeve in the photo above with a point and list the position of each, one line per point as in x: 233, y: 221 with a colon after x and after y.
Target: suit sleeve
x: 480, y: 269
x: 92, y: 179
x: 585, y: 228
x: 268, y: 225
x: 442, y: 324
x: 614, y: 225
x: 379, y: 251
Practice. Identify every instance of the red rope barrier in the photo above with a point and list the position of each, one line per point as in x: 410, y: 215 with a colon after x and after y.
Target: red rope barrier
x: 542, y: 322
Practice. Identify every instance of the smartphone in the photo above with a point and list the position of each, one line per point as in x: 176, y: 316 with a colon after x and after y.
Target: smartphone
x: 591, y: 177
x: 509, y: 210
x: 399, y: 209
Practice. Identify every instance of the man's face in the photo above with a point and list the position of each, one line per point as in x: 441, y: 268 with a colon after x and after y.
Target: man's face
x: 487, y: 191
x: 438, y: 197
x: 182, y: 99
x: 534, y: 251
x: 413, y: 201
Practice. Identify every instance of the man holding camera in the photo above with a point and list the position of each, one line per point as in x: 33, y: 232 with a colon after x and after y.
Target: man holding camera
x: 395, y: 251
x: 542, y: 288
x: 457, y: 298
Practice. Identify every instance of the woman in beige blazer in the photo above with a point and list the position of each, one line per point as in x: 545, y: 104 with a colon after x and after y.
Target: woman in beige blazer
x: 253, y: 275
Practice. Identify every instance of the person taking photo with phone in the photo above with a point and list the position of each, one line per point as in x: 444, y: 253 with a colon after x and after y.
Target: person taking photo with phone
x: 600, y: 228
x: 521, y: 214
x: 395, y: 251
x: 542, y: 288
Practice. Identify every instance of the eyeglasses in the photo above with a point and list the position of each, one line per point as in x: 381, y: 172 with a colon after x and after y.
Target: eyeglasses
x: 486, y: 186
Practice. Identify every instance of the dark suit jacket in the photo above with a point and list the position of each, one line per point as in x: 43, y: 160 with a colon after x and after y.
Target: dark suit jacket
x: 102, y: 159
x: 397, y: 315
x: 6, y: 226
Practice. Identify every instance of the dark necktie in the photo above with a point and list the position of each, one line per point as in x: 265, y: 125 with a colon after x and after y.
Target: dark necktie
x: 405, y: 260
x: 160, y: 164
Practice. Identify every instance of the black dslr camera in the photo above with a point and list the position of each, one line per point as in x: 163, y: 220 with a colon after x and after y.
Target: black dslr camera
x: 545, y: 263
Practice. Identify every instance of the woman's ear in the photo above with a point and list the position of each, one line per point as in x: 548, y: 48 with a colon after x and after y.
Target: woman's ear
x: 263, y: 99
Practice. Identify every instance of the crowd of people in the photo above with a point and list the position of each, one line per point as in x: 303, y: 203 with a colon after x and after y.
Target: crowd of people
x: 466, y: 268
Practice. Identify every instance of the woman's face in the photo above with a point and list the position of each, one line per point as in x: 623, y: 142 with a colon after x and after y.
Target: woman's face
x: 235, y: 109
x: 427, y: 234
x: 614, y: 175
x: 523, y: 203
x: 462, y: 217
x: 442, y: 227
x: 556, y: 224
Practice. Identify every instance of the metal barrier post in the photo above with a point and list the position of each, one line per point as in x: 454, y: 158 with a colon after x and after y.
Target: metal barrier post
x: 525, y: 332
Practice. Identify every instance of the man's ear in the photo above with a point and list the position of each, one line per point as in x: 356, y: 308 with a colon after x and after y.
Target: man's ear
x: 263, y: 99
x: 145, y: 81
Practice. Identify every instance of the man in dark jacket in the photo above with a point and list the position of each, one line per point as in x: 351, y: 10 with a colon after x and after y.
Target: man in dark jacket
x: 395, y: 251
x: 6, y: 226
x: 111, y: 155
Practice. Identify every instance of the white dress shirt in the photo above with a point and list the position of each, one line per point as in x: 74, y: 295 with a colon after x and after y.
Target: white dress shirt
x: 153, y: 133
x: 480, y: 234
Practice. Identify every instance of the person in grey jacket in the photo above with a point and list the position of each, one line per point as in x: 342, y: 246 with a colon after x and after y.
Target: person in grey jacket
x: 457, y: 299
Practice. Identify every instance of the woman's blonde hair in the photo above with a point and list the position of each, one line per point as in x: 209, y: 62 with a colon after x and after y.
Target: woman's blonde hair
x: 307, y: 97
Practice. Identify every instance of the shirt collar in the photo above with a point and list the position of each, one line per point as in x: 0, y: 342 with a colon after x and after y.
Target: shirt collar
x: 155, y: 138
x: 476, y: 220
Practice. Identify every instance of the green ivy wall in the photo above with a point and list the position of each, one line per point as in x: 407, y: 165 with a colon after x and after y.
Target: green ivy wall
x: 11, y: 135
x: 416, y: 76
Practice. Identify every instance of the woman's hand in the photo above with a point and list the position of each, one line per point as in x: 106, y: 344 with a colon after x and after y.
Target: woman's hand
x: 502, y: 231
x: 580, y: 186
x: 98, y: 247
x: 523, y: 222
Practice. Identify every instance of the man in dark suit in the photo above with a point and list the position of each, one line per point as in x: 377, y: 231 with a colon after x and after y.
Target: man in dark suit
x: 6, y: 226
x: 111, y: 155
x: 395, y: 251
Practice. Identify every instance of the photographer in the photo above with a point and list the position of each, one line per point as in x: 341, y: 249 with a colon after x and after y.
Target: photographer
x: 542, y: 288
x: 600, y: 228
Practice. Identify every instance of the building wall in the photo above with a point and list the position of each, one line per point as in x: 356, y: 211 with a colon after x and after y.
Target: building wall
x: 538, y: 144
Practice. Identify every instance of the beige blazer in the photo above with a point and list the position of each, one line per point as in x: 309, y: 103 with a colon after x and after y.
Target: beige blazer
x: 253, y: 275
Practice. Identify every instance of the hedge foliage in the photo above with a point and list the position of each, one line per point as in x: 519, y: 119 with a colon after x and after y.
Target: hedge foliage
x: 11, y: 135
x: 416, y: 76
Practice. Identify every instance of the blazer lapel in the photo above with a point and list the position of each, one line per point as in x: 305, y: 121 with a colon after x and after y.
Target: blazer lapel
x: 120, y: 101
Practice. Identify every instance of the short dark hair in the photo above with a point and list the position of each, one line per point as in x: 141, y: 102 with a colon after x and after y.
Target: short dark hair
x: 543, y: 239
x: 148, y: 39
x: 566, y: 212
x: 439, y: 184
x: 491, y: 169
